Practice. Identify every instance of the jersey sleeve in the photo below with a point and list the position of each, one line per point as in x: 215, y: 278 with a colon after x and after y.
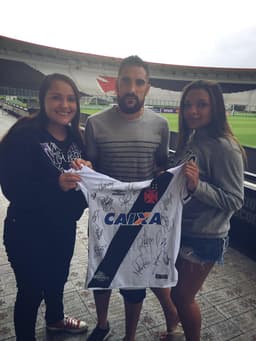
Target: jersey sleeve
x: 92, y: 181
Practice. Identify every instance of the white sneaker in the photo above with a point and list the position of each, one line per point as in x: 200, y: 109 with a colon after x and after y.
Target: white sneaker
x: 69, y: 325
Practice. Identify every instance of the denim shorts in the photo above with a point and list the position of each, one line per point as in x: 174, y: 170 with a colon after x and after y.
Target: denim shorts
x: 203, y: 250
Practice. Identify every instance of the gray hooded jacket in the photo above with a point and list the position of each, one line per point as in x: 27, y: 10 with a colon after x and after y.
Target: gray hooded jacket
x: 220, y: 190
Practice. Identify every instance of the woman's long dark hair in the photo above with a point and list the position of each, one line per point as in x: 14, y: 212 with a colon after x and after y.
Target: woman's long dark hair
x: 219, y: 126
x: 40, y: 119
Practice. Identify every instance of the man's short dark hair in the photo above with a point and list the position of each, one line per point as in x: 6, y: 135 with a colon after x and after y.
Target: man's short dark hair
x: 133, y: 61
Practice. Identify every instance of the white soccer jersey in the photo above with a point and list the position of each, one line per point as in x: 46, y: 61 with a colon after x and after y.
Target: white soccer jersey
x: 134, y: 229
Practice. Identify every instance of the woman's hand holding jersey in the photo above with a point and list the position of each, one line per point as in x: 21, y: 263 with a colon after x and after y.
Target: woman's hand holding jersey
x: 191, y: 172
x: 68, y: 180
x: 79, y: 163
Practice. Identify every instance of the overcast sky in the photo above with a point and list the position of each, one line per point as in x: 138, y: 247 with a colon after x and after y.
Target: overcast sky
x: 185, y: 32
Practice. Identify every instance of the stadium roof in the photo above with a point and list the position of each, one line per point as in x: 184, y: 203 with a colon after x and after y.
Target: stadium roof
x: 29, y: 78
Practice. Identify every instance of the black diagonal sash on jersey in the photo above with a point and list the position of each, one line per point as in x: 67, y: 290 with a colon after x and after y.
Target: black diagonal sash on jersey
x: 126, y: 235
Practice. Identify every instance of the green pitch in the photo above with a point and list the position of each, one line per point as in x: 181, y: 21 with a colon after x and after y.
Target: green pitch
x: 244, y: 128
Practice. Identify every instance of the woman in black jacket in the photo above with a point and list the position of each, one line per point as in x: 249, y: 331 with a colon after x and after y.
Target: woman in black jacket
x: 40, y: 225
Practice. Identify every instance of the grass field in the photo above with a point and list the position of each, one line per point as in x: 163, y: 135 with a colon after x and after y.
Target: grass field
x: 244, y: 128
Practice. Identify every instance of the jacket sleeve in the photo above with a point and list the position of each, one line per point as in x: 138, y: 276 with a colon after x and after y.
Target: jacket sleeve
x: 225, y: 188
x: 23, y: 180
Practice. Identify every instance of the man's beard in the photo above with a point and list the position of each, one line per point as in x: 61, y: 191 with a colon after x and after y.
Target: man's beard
x: 129, y: 109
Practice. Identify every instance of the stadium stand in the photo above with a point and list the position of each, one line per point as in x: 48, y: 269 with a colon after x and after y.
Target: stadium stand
x: 20, y: 75
x: 91, y: 71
